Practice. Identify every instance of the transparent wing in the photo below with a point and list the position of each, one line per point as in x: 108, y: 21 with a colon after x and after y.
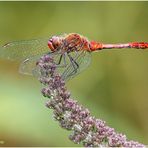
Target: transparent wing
x: 20, y: 50
x: 82, y: 59
x: 28, y: 66
x: 65, y: 67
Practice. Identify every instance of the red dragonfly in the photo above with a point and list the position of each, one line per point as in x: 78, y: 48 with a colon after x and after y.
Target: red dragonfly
x: 71, y: 52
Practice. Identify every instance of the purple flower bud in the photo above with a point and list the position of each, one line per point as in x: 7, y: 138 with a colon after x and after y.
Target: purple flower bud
x: 46, y: 92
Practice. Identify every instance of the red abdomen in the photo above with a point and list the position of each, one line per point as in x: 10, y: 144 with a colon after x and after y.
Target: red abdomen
x: 139, y: 45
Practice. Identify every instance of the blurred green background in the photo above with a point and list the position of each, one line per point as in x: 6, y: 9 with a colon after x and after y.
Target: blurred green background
x: 114, y: 87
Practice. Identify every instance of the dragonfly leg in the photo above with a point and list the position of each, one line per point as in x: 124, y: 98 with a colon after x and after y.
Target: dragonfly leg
x: 60, y: 60
x: 74, y: 65
x: 64, y: 60
x: 64, y: 64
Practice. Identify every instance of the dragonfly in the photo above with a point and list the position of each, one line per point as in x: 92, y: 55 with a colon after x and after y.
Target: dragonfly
x: 71, y: 52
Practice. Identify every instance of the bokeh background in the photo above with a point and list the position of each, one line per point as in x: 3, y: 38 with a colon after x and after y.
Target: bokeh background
x: 114, y: 87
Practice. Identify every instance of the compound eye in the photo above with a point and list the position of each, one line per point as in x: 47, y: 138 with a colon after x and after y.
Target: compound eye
x: 50, y: 45
x: 56, y: 41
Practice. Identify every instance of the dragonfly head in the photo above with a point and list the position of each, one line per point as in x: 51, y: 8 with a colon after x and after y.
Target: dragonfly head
x: 54, y: 43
